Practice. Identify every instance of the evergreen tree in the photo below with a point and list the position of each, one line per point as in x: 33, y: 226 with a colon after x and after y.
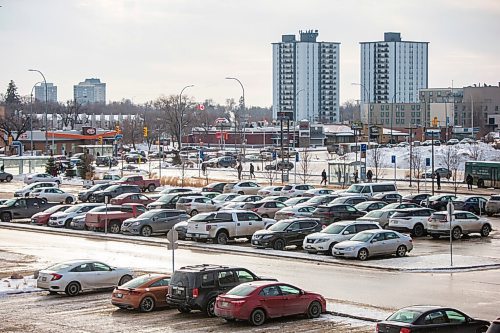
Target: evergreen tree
x: 12, y: 97
x: 85, y: 169
x: 51, y: 167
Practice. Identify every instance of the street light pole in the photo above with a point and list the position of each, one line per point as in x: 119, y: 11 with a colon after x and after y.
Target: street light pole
x: 31, y: 118
x: 46, y: 105
x: 242, y: 106
x: 472, y: 115
x: 392, y: 115
x: 181, y: 116
x: 294, y: 138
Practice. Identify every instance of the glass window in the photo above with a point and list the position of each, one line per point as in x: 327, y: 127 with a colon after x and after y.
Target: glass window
x: 227, y: 277
x: 82, y: 268
x: 307, y: 225
x: 455, y: 317
x: 207, y: 280
x: 244, y: 276
x: 225, y: 217
x: 391, y: 235
x: 98, y: 266
x: 161, y: 283
x: 436, y: 317
x: 350, y: 230
x: 270, y: 291
x: 289, y: 290
x: 294, y: 226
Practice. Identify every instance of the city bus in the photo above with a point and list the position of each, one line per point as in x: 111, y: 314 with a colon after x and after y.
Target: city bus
x: 485, y: 174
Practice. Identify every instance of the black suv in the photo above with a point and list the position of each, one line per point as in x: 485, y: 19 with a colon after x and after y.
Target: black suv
x: 197, y: 287
x: 281, y: 165
x: 113, y: 191
x: 106, y: 161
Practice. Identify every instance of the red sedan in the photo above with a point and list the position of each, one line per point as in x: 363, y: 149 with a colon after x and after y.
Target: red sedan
x: 260, y: 300
x: 42, y: 218
x: 126, y: 198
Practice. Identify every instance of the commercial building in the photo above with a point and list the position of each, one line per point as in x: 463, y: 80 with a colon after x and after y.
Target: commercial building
x: 306, y: 78
x: 90, y: 91
x: 51, y: 92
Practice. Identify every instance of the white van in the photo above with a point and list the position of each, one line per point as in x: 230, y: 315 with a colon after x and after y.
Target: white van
x: 370, y: 189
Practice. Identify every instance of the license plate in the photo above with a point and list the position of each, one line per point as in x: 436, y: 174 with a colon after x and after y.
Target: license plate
x: 44, y: 279
x: 119, y: 295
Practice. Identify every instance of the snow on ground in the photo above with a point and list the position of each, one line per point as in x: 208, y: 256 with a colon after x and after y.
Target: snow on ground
x: 357, y: 310
x: 17, y: 286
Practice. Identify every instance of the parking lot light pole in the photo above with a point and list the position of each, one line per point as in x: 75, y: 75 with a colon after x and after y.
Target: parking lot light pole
x: 243, y: 108
x: 31, y: 118
x: 181, y: 116
x: 46, y: 106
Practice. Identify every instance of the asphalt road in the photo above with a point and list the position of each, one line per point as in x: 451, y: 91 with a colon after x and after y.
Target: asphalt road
x: 477, y: 293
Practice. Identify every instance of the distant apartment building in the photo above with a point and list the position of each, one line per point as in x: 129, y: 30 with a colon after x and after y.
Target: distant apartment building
x: 306, y: 78
x: 392, y: 71
x: 51, y: 92
x: 90, y: 91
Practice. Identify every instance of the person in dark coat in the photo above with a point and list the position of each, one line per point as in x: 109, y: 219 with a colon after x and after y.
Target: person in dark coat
x: 240, y: 169
x: 252, y: 170
x: 369, y: 176
x: 323, y: 177
x: 469, y: 180
x: 356, y: 176
x: 438, y: 180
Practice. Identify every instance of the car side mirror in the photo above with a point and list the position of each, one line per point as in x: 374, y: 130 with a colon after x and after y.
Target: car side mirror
x: 346, y: 233
x: 373, y: 241
x: 302, y: 292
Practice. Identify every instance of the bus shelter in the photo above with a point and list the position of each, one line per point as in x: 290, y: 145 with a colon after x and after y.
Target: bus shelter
x: 342, y: 172
x: 20, y: 165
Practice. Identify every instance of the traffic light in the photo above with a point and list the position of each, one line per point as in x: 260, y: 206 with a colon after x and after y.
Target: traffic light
x: 100, y: 140
x: 145, y: 131
x: 117, y: 129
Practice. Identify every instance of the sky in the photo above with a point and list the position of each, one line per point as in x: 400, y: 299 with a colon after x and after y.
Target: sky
x: 143, y: 49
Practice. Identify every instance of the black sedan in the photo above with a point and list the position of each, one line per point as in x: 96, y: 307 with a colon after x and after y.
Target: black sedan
x: 439, y: 202
x: 388, y: 197
x: 434, y: 319
x: 472, y: 204
x: 5, y: 176
x: 285, y: 233
x: 416, y: 198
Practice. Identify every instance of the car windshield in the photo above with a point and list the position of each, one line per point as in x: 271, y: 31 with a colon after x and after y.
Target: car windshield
x: 203, y: 217
x: 375, y: 213
x: 362, y: 237
x: 242, y: 290
x: 333, y: 229
x: 241, y: 198
x: 166, y: 197
x: 139, y: 281
x: 392, y: 206
x: 221, y: 197
x: 405, y: 316
x: 363, y: 205
x: 280, y: 226
x: 434, y: 198
x: 57, y: 208
x: 73, y: 209
x: 58, y: 267
x: 10, y: 202
x: 149, y: 214
x: 355, y: 189
x: 294, y: 201
x: 97, y: 187
x: 316, y: 200
x: 113, y: 187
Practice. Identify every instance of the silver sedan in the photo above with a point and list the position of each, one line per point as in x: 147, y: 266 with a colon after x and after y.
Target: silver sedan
x: 374, y: 243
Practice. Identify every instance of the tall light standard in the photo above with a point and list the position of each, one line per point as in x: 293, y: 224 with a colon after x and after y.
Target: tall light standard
x: 367, y: 94
x: 181, y: 115
x: 31, y: 117
x: 242, y: 103
x: 472, y: 115
x: 392, y: 113
x: 46, y: 105
x: 294, y: 138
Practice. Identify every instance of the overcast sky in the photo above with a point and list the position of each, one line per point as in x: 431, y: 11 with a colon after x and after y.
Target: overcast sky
x: 146, y: 48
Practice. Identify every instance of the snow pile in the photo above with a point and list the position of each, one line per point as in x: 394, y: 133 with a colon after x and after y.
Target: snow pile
x: 17, y: 286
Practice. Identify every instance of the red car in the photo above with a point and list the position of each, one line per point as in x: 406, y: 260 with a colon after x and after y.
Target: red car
x: 259, y: 300
x: 42, y: 218
x: 126, y: 198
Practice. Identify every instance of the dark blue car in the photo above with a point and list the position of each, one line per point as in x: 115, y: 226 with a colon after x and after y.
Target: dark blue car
x: 473, y: 204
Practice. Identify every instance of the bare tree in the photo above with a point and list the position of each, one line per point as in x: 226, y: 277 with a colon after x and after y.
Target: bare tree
x: 132, y: 130
x: 305, y: 165
x: 376, y: 159
x: 453, y: 166
x: 269, y: 173
x: 475, y: 152
x: 178, y: 116
x: 417, y: 165
x: 447, y: 156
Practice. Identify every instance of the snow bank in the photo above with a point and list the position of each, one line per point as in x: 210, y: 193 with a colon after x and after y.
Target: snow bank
x: 17, y: 286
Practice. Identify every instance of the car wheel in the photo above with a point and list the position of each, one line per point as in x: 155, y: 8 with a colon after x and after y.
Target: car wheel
x: 124, y: 279
x: 68, y: 200
x: 210, y: 307
x: 146, y: 231
x: 67, y: 224
x: 330, y: 248
x: 363, y: 254
x: 221, y: 238
x: 151, y: 188
x: 314, y: 310
x: 184, y: 309
x: 114, y: 227
x: 92, y: 199
x: 485, y: 230
x: 147, y: 304
x: 8, y: 179
x: 279, y: 245
x: 401, y: 251
x: 6, y: 217
x: 418, y: 230
x: 72, y: 289
x: 456, y: 233
x: 258, y: 317
x: 44, y: 201
x: 194, y: 212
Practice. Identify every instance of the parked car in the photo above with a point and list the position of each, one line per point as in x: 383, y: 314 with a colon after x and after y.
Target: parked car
x: 416, y: 198
x: 285, y: 233
x: 246, y: 188
x: 324, y: 240
x: 74, y: 276
x: 144, y: 184
x: 296, y: 201
x: 368, y: 206
x: 5, y: 177
x: 228, y: 188
x: 78, y: 221
x: 452, y: 142
x: 412, y: 220
x: 225, y: 225
x: 25, y: 191
x: 225, y: 197
x: 52, y: 194
x: 280, y: 165
x: 275, y: 198
x: 443, y: 172
x: 41, y: 177
x: 270, y: 190
x: 170, y: 190
x: 113, y: 220
x: 381, y: 216
x: 135, y: 158
x: 294, y: 212
x: 493, y: 205
x: 388, y: 197
x: 113, y: 191
x: 153, y: 222
x: 349, y: 200
x: 144, y: 293
x: 295, y: 190
x: 42, y: 218
x: 264, y: 208
x: 463, y: 223
x: 86, y: 195
x: 494, y: 327
x: 63, y: 219
x: 221, y: 162
x: 21, y: 208
x: 210, y: 195
x: 214, y: 187
x: 195, y: 204
x: 169, y: 201
x: 239, y: 201
x: 262, y: 300
x: 428, y: 318
x: 439, y: 202
x: 336, y: 212
x: 197, y: 287
x: 403, y: 205
x: 126, y: 198
x: 373, y: 243
x: 370, y: 189
x: 317, y: 191
x: 181, y: 228
x: 320, y: 200
x: 473, y: 204
x: 106, y: 161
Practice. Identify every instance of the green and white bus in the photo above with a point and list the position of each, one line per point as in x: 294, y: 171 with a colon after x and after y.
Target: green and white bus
x: 485, y: 174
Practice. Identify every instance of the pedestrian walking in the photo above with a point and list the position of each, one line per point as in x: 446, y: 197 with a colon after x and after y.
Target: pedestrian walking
x: 204, y: 168
x: 369, y: 176
x: 469, y: 180
x: 252, y: 170
x: 239, y: 169
x: 323, y: 177
x: 438, y: 180
x: 356, y: 176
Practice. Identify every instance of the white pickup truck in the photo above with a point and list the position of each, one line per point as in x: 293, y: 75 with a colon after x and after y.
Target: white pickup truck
x: 105, y: 179
x: 224, y: 225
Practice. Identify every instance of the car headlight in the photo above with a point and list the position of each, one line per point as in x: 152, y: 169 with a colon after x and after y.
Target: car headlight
x: 136, y: 223
x: 349, y: 248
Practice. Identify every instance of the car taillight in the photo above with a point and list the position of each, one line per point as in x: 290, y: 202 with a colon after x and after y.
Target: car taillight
x: 133, y: 292
x: 55, y: 277
x: 237, y: 303
x: 405, y: 330
x: 195, y: 292
x: 208, y: 227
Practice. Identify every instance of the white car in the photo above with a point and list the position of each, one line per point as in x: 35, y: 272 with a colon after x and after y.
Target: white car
x: 453, y: 142
x: 325, y: 240
x: 294, y: 212
x: 74, y: 276
x: 41, y: 177
x: 463, y: 223
x: 63, y: 219
x: 239, y: 201
x: 295, y: 190
x: 270, y: 190
x: 52, y: 194
x: 246, y: 188
x: 296, y: 201
x: 223, y: 198
x: 25, y: 191
x: 412, y: 220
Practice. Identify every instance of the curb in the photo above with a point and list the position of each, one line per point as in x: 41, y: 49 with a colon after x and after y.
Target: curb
x: 236, y: 249
x: 346, y: 315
